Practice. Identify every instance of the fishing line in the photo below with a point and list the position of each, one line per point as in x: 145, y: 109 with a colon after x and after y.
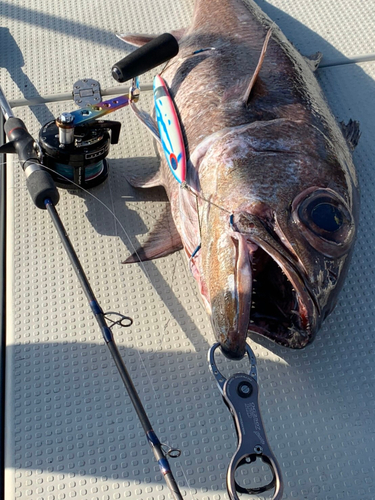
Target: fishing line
x: 199, y: 223
x: 199, y: 195
x: 143, y: 267
x: 167, y: 450
x: 171, y: 286
x: 157, y: 396
x: 114, y: 216
x: 170, y: 450
x: 117, y: 221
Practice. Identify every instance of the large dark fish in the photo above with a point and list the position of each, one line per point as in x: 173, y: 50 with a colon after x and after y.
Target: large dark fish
x: 277, y: 205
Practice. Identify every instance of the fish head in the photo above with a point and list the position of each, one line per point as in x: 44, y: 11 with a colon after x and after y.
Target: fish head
x: 277, y: 234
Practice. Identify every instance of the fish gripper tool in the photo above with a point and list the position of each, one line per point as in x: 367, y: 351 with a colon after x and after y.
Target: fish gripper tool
x: 240, y: 393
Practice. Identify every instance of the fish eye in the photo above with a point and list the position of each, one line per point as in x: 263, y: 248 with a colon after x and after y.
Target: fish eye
x: 326, y: 216
x: 325, y: 221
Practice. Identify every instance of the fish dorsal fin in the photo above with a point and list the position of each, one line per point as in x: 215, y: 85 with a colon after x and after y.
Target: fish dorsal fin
x: 140, y: 39
x: 162, y: 240
x: 351, y: 133
x: 246, y: 97
x: 314, y: 60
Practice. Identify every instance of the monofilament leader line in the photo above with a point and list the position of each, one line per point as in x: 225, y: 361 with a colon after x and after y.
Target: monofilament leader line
x: 45, y: 195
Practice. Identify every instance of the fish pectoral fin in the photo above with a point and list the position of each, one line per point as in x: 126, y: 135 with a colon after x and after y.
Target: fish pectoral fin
x: 136, y: 39
x: 148, y: 181
x: 262, y: 55
x: 163, y: 240
x: 314, y: 60
x: 147, y: 120
x: 351, y: 133
x: 140, y: 39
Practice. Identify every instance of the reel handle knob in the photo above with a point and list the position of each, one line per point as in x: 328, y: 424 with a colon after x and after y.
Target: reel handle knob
x: 150, y: 55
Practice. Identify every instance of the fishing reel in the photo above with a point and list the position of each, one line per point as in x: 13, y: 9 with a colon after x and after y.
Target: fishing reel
x: 79, y: 153
x: 74, y: 147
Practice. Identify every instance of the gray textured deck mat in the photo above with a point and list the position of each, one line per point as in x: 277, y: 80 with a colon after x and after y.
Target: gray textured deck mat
x: 71, y: 431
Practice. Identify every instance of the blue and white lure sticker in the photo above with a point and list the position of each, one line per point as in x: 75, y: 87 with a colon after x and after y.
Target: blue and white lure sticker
x: 170, y: 130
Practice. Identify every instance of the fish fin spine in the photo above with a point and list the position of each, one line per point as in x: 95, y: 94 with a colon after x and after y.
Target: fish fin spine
x: 351, y: 132
x: 262, y: 55
x: 140, y: 39
x: 314, y: 60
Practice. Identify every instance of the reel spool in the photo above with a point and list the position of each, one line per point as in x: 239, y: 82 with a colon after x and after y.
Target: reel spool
x: 78, y: 153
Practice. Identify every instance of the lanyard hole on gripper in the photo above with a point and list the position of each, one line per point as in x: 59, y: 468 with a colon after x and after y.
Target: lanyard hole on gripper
x: 255, y: 476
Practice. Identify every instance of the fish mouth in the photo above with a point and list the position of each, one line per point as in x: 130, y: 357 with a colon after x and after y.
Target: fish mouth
x: 283, y: 305
x: 280, y: 309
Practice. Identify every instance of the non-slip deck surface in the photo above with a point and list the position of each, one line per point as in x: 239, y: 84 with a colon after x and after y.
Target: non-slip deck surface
x: 71, y: 431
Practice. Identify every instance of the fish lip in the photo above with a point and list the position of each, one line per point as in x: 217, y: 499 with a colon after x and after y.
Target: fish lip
x: 232, y: 340
x: 233, y: 345
x: 308, y: 305
x: 233, y: 354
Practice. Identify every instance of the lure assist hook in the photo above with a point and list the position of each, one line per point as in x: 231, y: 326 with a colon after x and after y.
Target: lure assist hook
x: 45, y: 195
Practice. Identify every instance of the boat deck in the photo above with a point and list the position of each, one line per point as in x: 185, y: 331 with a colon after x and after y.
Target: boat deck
x: 70, y: 430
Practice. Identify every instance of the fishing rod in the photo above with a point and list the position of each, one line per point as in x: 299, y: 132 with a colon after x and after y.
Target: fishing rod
x: 76, y: 145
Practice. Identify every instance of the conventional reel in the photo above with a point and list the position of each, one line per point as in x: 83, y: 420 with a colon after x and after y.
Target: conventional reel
x: 74, y: 147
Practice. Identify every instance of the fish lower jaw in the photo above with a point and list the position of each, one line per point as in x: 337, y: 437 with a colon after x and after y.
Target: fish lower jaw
x: 294, y: 339
x: 233, y: 344
x: 292, y: 329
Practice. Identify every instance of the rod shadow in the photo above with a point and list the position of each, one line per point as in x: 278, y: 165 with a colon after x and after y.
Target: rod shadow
x: 75, y: 423
x: 11, y: 59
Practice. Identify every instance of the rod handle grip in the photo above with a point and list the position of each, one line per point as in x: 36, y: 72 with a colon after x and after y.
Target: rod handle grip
x: 41, y: 186
x: 39, y: 182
